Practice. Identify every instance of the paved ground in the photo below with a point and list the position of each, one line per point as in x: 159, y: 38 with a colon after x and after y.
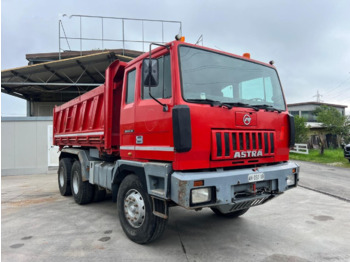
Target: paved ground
x: 301, y: 225
x: 324, y: 178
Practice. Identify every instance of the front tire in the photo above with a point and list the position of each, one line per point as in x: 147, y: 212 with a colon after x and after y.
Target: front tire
x: 233, y: 214
x: 135, y: 212
x: 83, y: 191
x: 64, y: 176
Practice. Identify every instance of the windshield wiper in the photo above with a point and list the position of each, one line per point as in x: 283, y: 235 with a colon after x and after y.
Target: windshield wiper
x: 210, y: 102
x: 268, y: 108
x: 239, y: 104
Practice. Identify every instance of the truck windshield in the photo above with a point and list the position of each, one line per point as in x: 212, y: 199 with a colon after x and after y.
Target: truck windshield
x: 209, y: 77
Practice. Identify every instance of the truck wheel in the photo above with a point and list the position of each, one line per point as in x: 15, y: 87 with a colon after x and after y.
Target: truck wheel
x: 135, y: 212
x: 64, y: 171
x: 83, y: 191
x: 99, y: 195
x: 230, y: 214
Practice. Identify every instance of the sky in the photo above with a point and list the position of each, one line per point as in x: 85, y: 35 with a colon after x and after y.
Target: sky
x: 308, y: 40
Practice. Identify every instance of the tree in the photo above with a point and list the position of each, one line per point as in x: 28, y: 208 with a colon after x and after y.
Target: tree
x: 333, y: 122
x: 301, y: 129
x: 347, y: 135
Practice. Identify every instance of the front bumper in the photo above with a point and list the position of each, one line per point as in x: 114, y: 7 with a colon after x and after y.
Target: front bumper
x: 232, y: 187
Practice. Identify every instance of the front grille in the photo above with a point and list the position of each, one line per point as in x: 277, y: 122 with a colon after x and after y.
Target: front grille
x: 228, y: 144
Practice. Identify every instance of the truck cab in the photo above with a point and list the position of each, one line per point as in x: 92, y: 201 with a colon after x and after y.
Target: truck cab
x: 231, y: 111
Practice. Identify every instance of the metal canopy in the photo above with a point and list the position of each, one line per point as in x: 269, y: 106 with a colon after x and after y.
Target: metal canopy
x: 60, y: 80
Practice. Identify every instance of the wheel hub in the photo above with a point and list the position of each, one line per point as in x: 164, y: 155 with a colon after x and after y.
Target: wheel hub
x: 61, y: 177
x: 75, y: 183
x: 134, y: 208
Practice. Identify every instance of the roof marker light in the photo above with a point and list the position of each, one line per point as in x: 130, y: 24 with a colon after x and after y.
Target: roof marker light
x: 179, y: 37
x: 246, y: 55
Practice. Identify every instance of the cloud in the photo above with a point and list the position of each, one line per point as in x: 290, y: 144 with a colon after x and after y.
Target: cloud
x: 308, y: 40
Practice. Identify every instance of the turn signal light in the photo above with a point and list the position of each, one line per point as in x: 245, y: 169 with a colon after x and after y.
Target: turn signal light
x: 182, y: 39
x: 198, y: 183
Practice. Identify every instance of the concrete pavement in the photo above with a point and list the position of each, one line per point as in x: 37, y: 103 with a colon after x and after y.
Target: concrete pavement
x: 325, y: 178
x: 38, y: 224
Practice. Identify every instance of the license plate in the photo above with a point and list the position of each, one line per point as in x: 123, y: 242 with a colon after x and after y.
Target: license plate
x: 256, y: 177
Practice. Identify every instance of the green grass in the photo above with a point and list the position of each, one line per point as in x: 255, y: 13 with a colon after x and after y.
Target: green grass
x: 334, y: 157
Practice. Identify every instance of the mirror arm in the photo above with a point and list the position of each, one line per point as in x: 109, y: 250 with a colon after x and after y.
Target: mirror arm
x: 165, y: 107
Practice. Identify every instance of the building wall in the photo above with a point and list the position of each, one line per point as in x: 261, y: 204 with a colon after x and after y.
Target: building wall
x: 310, y: 107
x: 41, y: 108
x: 24, y: 145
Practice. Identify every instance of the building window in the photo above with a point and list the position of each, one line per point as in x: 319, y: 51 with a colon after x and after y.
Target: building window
x: 294, y: 113
x: 309, y: 116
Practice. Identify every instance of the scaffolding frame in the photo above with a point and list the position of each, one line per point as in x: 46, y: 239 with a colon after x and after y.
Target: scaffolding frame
x: 103, y: 39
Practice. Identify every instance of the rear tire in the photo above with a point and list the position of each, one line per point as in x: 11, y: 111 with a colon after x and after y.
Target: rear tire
x: 135, y: 212
x: 83, y: 191
x: 64, y: 176
x: 230, y: 214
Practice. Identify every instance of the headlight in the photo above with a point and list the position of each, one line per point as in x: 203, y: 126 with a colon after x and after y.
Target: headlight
x: 201, y: 195
x: 291, y: 180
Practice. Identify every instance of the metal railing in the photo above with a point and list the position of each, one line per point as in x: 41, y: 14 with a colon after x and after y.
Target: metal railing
x: 63, y: 36
x: 300, y: 149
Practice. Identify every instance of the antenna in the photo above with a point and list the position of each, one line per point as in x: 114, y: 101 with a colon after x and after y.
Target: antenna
x: 200, y: 39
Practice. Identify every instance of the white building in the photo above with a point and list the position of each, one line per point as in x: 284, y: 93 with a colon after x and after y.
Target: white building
x: 306, y: 110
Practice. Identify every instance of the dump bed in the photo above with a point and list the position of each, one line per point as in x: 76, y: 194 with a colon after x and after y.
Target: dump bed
x: 87, y: 120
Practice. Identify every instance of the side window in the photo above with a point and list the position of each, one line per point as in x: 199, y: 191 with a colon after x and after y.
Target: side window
x: 130, y: 91
x: 163, y: 90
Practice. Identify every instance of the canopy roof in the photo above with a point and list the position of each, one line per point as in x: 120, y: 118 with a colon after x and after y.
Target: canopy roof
x: 60, y: 80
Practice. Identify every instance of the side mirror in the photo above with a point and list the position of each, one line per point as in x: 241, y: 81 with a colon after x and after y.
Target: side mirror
x: 150, y: 72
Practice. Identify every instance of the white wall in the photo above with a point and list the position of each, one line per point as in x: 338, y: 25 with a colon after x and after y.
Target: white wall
x: 24, y: 145
x: 312, y: 107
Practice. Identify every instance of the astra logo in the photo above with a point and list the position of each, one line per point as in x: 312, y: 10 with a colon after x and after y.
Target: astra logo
x: 243, y: 154
x: 246, y: 119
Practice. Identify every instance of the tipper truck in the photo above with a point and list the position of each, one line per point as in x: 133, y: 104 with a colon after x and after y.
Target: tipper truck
x: 181, y: 125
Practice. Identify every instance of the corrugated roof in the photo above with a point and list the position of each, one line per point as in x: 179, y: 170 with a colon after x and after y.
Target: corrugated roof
x: 46, y: 57
x: 59, y: 80
x: 316, y: 103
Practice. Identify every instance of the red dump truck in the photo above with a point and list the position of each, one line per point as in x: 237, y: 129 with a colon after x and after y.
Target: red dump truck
x: 182, y: 125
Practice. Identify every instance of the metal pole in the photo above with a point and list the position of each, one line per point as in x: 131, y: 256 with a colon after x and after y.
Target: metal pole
x: 102, y: 32
x: 123, y: 36
x: 81, y: 40
x: 143, y: 39
x: 59, y: 39
x: 162, y: 32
